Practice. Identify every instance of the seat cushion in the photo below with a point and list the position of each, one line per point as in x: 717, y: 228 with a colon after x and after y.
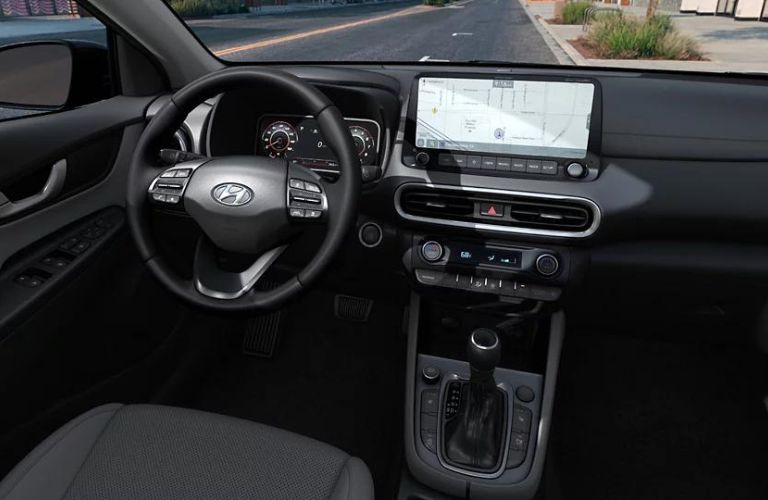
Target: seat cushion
x: 159, y: 452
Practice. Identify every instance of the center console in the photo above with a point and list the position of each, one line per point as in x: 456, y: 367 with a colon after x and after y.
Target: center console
x: 489, y: 267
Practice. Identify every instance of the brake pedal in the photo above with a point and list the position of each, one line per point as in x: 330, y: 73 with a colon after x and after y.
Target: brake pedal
x: 261, y: 335
x: 351, y: 308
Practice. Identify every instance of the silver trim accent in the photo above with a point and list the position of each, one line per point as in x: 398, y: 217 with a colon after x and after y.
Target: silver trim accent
x: 249, y: 277
x: 181, y: 140
x: 508, y: 395
x: 360, y: 235
x: 484, y: 348
x: 596, y: 212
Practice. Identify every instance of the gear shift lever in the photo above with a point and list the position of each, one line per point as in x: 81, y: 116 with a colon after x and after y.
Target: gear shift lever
x: 473, y: 437
x: 483, y: 353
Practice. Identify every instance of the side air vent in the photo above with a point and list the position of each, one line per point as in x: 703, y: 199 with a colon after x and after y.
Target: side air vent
x: 512, y: 212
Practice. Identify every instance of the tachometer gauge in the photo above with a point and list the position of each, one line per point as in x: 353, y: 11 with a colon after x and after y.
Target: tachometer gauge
x: 279, y: 138
x: 364, y: 144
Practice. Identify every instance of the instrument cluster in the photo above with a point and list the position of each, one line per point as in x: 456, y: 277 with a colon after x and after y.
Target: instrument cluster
x: 299, y: 140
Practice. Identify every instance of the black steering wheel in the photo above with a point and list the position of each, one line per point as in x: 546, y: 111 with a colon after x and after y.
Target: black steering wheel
x: 249, y: 205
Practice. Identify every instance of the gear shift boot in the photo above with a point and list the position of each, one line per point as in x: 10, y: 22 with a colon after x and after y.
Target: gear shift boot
x: 474, y: 417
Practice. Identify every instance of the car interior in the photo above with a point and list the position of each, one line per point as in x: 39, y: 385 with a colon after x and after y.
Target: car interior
x: 286, y: 280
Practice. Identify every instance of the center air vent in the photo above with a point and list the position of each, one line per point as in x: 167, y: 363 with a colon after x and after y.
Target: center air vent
x: 513, y: 211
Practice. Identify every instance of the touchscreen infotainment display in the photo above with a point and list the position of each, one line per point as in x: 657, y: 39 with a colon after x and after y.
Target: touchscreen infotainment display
x: 502, y: 116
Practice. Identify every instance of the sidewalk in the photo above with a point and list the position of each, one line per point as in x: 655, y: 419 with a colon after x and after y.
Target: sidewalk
x: 268, y: 10
x: 730, y: 46
x: 18, y: 27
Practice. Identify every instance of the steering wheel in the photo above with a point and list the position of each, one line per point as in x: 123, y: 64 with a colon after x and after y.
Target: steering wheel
x: 248, y: 205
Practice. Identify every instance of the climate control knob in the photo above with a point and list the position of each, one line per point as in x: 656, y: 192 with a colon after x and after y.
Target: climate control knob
x: 547, y: 264
x: 431, y: 251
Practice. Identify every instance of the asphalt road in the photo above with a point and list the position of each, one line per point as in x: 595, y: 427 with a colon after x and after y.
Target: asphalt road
x: 474, y: 29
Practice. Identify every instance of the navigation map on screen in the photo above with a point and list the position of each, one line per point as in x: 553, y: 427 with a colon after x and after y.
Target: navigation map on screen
x: 544, y: 118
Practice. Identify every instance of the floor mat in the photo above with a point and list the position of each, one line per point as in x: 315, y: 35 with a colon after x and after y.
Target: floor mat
x: 337, y: 381
x: 637, y: 418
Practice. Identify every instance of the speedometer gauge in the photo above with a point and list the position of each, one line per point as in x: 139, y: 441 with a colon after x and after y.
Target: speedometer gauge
x: 364, y: 144
x: 279, y: 138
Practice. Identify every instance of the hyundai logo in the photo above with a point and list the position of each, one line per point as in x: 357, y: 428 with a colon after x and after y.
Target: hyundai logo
x: 232, y: 194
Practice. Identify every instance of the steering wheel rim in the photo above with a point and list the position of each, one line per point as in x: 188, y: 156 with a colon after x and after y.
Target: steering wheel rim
x: 341, y: 213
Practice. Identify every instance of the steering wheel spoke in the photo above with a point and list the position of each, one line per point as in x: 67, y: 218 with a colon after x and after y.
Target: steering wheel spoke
x: 167, y: 189
x: 212, y: 281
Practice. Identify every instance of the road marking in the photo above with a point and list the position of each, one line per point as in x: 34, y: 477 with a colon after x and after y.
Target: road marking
x: 322, y: 31
x: 428, y: 59
x: 462, y: 34
x: 425, y: 58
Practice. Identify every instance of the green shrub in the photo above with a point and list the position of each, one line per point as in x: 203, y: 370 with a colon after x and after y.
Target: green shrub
x: 203, y: 8
x: 573, y: 12
x: 624, y: 37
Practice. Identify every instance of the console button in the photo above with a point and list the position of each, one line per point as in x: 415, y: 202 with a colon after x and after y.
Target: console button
x: 494, y: 285
x: 575, y: 170
x: 518, y: 165
x: 547, y: 264
x: 515, y: 458
x: 446, y: 160
x: 463, y: 282
x: 503, y: 164
x: 478, y: 283
x: 518, y: 441
x: 491, y: 210
x: 429, y: 439
x: 460, y: 160
x: 489, y: 162
x: 429, y: 401
x: 431, y: 374
x: 525, y: 394
x: 474, y: 162
x: 422, y: 158
x: 521, y: 419
x: 549, y: 168
x: 428, y: 422
x: 429, y: 277
x: 533, y: 167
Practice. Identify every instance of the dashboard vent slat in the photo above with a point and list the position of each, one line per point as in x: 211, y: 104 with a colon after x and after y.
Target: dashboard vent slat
x: 523, y: 213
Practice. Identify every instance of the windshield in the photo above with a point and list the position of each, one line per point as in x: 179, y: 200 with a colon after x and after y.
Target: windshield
x: 656, y: 34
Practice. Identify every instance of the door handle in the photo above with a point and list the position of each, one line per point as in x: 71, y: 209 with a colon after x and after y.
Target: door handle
x: 51, y: 190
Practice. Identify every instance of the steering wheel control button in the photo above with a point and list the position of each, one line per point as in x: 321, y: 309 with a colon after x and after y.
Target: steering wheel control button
x: 575, y: 170
x: 547, y: 264
x: 158, y: 197
x: 491, y: 210
x: 312, y: 187
x: 525, y: 394
x: 183, y: 173
x: 430, y: 374
x: 168, y: 173
x: 172, y: 198
x: 296, y: 212
x: 296, y: 184
x: 313, y: 214
x: 432, y: 251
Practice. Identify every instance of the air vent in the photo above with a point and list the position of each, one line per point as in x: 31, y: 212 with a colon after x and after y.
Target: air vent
x: 562, y: 215
x: 437, y: 204
x: 518, y: 212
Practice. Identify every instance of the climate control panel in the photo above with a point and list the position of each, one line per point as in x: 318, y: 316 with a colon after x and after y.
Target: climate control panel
x: 489, y: 267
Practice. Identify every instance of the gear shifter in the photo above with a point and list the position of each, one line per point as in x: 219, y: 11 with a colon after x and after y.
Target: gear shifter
x: 473, y: 435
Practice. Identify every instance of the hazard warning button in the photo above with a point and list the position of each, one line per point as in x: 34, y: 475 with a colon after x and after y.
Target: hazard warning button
x: 491, y: 210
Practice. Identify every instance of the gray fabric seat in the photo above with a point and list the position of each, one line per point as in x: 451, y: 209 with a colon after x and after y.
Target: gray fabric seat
x: 158, y: 452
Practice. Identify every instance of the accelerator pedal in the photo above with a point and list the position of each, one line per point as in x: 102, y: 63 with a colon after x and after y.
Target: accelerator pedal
x: 262, y: 332
x: 351, y: 308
